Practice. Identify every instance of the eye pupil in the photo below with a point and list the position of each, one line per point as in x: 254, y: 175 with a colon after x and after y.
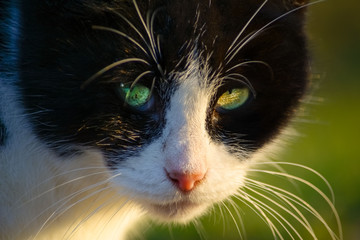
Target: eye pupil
x: 233, y: 99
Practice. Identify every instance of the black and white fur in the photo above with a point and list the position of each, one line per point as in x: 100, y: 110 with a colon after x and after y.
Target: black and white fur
x: 76, y: 163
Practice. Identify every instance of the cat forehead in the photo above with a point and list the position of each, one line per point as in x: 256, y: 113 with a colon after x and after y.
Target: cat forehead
x: 215, y: 23
x: 181, y: 15
x: 210, y: 25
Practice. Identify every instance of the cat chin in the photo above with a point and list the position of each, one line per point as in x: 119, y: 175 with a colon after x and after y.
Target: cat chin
x: 178, y: 212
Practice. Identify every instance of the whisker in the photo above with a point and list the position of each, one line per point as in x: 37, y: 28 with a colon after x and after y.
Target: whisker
x: 133, y: 27
x: 67, y: 199
x: 50, y: 219
x: 236, y: 209
x: 230, y: 50
x: 253, y: 62
x: 150, y: 32
x: 80, y: 216
x: 84, y: 220
x: 281, y: 169
x: 152, y: 86
x: 102, y: 28
x: 238, y: 49
x: 152, y: 29
x: 111, y: 66
x: 77, y: 202
x: 312, y: 186
x: 171, y: 233
x: 115, y: 213
x: 245, y: 81
x: 288, y: 196
x: 151, y: 36
x: 304, y: 224
x: 158, y: 45
x: 248, y: 62
x: 86, y: 197
x: 244, y: 198
x: 262, y: 186
x: 277, y: 216
x: 222, y: 216
x: 306, y: 168
x: 200, y: 229
x: 152, y: 48
x: 138, y: 78
x: 139, y: 33
x: 61, y: 185
x: 233, y: 218
x: 249, y: 35
x: 32, y: 189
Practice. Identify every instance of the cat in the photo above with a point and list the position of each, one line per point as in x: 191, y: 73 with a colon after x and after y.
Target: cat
x: 112, y: 111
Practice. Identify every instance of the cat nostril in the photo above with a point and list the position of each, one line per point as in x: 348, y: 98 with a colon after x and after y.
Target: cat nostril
x: 186, y: 182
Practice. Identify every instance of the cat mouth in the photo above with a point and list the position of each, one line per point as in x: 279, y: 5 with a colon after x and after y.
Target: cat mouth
x: 180, y: 211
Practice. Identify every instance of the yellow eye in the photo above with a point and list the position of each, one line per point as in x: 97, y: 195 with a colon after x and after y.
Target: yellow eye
x: 233, y: 99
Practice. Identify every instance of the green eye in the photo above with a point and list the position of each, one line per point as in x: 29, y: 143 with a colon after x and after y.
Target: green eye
x: 137, y: 96
x: 233, y: 99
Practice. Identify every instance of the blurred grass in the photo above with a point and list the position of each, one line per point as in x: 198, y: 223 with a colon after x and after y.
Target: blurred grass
x: 331, y: 134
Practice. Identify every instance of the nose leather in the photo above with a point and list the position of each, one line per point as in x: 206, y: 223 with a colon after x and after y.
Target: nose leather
x: 186, y: 182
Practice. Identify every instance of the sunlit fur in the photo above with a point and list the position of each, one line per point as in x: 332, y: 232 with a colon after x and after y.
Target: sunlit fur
x: 44, y: 196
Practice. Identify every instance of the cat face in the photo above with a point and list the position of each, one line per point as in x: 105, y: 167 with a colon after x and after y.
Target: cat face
x: 176, y: 99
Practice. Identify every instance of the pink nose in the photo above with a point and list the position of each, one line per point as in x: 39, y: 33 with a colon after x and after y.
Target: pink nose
x: 185, y: 181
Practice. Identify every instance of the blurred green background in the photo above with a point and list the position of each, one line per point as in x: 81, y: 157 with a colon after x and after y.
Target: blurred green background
x: 330, y: 133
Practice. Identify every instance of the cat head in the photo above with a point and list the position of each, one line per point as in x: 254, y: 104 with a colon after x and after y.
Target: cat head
x: 176, y: 96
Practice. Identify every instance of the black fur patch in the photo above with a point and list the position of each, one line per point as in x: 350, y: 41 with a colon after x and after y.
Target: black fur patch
x: 3, y: 134
x: 61, y: 49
